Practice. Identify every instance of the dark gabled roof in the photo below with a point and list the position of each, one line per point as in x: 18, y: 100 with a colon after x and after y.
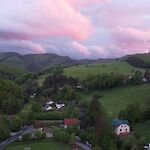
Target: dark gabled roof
x: 117, y: 122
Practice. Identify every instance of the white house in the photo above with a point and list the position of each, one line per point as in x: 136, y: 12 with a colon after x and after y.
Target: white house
x: 59, y: 105
x: 121, y: 127
x: 49, y: 102
x: 48, y: 108
x: 147, y: 146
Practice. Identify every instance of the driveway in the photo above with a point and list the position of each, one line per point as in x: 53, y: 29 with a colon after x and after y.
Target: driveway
x: 25, y: 130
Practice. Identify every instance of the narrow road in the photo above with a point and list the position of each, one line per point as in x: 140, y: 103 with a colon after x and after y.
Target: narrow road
x: 83, y: 146
x: 13, y: 138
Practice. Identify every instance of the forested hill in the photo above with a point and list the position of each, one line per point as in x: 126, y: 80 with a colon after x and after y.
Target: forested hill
x: 10, y: 96
x: 139, y: 60
x: 36, y: 62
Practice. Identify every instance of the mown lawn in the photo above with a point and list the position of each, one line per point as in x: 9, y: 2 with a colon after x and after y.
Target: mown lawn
x: 117, y: 99
x: 83, y: 71
x: 144, y: 130
x: 39, y: 145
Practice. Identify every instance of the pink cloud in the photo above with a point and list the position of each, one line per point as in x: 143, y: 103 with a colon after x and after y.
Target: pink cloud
x: 93, y: 51
x: 43, y: 19
x: 21, y: 45
x: 132, y: 40
x: 85, y: 3
x: 80, y: 48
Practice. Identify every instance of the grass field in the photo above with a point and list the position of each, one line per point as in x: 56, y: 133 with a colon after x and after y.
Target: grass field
x: 83, y: 71
x: 117, y: 99
x: 143, y: 129
x: 39, y: 145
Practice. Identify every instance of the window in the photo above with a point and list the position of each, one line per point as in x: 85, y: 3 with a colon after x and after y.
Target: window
x: 126, y: 129
x: 120, y: 130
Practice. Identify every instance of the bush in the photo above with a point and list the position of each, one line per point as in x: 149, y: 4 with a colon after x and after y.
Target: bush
x: 16, y: 124
x: 27, y: 137
x: 61, y: 135
x: 39, y: 134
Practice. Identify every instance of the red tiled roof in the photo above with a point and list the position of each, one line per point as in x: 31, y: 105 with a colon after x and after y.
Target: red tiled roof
x: 70, y: 121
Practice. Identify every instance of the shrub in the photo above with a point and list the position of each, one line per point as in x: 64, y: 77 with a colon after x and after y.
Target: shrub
x: 27, y: 137
x: 39, y: 134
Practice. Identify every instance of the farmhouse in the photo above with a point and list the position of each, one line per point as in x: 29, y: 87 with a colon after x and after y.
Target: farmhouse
x: 59, y: 104
x: 70, y: 122
x: 121, y: 127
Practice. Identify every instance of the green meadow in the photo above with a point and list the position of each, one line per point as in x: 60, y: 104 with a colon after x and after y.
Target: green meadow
x: 117, y: 99
x: 83, y: 71
x: 39, y: 145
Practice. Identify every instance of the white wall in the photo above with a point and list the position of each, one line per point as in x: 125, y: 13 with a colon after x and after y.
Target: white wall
x: 122, y: 129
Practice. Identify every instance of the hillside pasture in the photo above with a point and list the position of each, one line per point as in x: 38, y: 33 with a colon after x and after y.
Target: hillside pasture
x: 82, y: 71
x: 117, y: 99
x: 143, y: 129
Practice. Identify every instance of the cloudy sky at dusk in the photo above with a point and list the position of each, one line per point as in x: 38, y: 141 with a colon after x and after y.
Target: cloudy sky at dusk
x: 76, y: 28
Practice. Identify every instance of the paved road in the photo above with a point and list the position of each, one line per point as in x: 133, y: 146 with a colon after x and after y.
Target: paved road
x: 13, y: 138
x: 83, y: 146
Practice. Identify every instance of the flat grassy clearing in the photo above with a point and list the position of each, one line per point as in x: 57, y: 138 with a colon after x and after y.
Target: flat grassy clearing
x: 82, y: 71
x: 143, y: 129
x: 41, y: 79
x: 117, y: 99
x: 39, y: 145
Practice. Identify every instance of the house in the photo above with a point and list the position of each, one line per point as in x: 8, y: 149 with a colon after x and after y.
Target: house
x: 60, y: 105
x: 49, y: 102
x: 48, y: 108
x: 147, y: 146
x: 121, y: 127
x: 70, y: 122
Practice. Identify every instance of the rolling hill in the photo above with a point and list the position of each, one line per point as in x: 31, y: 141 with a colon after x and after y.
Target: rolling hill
x: 82, y: 71
x: 139, y: 60
x: 34, y: 62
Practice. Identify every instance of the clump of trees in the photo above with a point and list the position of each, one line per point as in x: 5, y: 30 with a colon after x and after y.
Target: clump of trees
x: 106, y: 81
x: 137, y: 62
x: 11, y: 98
x: 135, y: 113
x: 4, y: 128
x: 63, y: 136
x: 98, y: 130
x: 103, y: 81
x: 59, y: 115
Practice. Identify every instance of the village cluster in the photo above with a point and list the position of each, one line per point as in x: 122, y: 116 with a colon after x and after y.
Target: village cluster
x: 50, y: 105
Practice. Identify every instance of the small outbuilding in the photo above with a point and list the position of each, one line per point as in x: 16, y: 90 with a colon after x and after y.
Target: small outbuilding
x: 70, y: 122
x: 121, y: 127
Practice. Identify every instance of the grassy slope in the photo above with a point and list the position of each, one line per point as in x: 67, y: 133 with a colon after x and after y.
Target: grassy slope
x: 117, y: 99
x: 144, y: 57
x: 82, y: 71
x: 41, y: 78
x: 12, y: 69
x: 39, y: 145
x: 143, y: 129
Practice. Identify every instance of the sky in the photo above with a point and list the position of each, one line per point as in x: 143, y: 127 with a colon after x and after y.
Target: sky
x: 76, y: 28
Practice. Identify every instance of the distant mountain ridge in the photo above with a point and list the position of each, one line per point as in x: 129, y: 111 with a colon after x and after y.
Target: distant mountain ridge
x: 34, y: 62
x: 37, y: 62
